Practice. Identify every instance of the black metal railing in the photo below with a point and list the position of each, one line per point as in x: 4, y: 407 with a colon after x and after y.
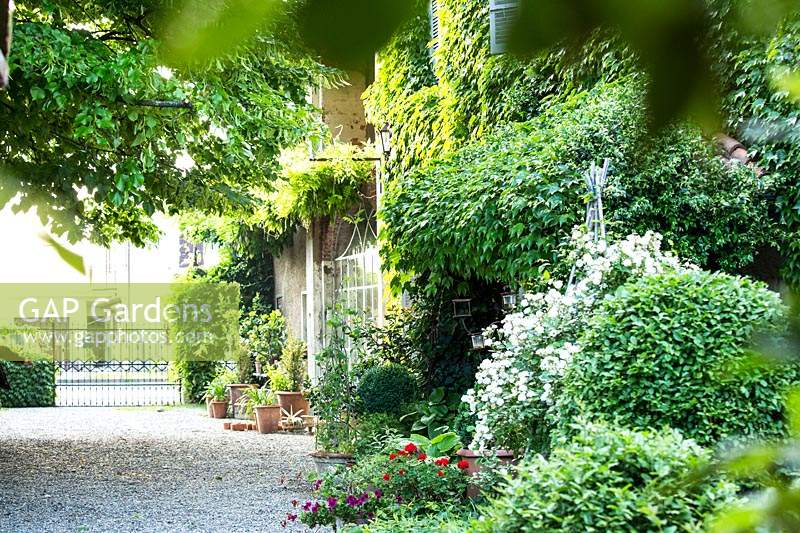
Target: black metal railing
x: 116, y: 384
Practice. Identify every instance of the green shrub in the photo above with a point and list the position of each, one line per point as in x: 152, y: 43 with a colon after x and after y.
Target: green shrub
x: 293, y: 362
x: 264, y: 335
x: 664, y: 350
x: 386, y: 389
x: 608, y: 480
x: 32, y: 384
x: 278, y: 379
x: 195, y: 377
x: 375, y: 432
x: 438, y: 518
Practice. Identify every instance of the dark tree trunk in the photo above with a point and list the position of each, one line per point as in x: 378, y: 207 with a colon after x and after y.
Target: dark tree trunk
x: 6, y: 11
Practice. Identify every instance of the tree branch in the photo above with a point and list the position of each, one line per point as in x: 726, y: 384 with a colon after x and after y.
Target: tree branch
x: 172, y: 104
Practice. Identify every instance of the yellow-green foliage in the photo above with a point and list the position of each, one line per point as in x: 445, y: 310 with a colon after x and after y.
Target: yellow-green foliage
x: 329, y: 185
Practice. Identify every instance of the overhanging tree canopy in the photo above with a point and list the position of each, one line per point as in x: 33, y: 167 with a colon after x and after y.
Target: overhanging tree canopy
x: 93, y: 123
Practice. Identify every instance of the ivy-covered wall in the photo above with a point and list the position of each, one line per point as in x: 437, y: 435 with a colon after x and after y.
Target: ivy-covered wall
x: 439, y: 101
x: 498, y: 208
x: 763, y: 114
x: 32, y: 384
x: 437, y: 95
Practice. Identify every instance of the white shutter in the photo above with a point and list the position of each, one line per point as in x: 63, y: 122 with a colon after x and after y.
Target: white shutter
x: 501, y: 18
x: 433, y: 11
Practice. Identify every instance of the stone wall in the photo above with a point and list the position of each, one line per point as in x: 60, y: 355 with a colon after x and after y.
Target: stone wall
x: 290, y: 282
x: 343, y: 111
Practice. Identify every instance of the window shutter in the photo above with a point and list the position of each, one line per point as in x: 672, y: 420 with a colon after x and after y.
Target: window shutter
x: 501, y: 18
x: 433, y: 11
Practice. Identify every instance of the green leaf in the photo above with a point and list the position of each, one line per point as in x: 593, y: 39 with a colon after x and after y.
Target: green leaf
x: 71, y: 258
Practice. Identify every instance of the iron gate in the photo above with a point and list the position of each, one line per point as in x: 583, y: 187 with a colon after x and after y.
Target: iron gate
x: 116, y: 384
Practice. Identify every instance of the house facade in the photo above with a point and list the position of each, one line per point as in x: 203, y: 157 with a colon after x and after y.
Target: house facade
x: 333, y: 261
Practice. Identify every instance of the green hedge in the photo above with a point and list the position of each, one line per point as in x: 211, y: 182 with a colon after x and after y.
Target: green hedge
x: 32, y: 384
x: 609, y: 479
x: 671, y: 350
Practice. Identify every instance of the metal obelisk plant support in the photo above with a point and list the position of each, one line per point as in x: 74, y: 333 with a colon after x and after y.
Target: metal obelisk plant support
x: 596, y: 179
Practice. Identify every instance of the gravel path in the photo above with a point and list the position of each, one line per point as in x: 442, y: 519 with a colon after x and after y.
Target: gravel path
x: 114, y: 469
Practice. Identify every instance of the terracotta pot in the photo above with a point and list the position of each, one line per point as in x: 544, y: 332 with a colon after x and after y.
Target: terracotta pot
x: 505, y: 457
x: 219, y: 409
x: 292, y: 402
x: 326, y: 461
x: 236, y: 391
x: 267, y: 418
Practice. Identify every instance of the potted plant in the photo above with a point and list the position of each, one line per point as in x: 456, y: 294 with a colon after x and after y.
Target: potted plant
x: 237, y: 390
x: 261, y: 404
x: 293, y: 364
x: 472, y: 463
x: 335, y: 402
x: 263, y: 335
x: 291, y: 421
x: 218, y: 403
x: 225, y: 378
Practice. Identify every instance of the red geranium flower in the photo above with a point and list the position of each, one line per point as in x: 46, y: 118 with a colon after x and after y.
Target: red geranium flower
x: 442, y: 461
x: 402, y: 472
x: 440, y: 473
x: 410, y: 447
x: 392, y: 456
x: 386, y: 477
x: 463, y: 464
x: 422, y: 457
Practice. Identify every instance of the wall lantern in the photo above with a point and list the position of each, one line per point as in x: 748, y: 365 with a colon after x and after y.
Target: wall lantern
x: 462, y: 308
x: 386, y: 140
x: 478, y: 342
x: 509, y: 300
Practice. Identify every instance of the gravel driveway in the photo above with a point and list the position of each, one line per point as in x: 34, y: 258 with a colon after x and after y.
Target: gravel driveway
x: 116, y: 469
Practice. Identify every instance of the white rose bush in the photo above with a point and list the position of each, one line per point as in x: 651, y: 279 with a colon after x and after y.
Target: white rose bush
x: 532, y: 347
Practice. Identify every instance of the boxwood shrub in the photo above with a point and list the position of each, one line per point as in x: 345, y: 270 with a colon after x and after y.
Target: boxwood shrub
x: 386, y: 388
x: 608, y: 479
x: 671, y: 350
x: 32, y: 384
